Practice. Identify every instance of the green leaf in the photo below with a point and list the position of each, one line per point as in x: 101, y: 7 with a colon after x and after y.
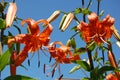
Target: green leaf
x: 80, y: 50
x: 99, y: 59
x: 4, y: 59
x: 3, y: 6
x: 95, y: 55
x: 19, y: 77
x: 73, y: 43
x: 94, y: 74
x: 105, y: 69
x: 74, y: 69
x: 2, y: 24
x: 91, y: 46
x: 83, y: 64
x: 9, y: 33
x: 85, y: 11
x: 74, y: 28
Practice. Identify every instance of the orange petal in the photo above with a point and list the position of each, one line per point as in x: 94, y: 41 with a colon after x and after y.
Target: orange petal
x: 33, y: 26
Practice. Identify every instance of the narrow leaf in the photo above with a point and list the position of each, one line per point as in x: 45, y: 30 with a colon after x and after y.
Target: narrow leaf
x: 4, y: 59
x: 73, y: 43
x: 74, y: 69
x: 80, y: 50
x: 105, y: 69
x: 83, y: 64
x: 2, y: 24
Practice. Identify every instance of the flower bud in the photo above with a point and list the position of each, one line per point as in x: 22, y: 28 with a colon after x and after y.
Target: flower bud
x: 115, y: 33
x: 113, y: 63
x: 67, y: 21
x: 62, y: 21
x: 12, y: 9
x: 53, y: 17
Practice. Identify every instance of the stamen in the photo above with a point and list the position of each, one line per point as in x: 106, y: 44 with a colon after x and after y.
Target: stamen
x: 93, y: 36
x: 102, y: 34
x: 103, y: 40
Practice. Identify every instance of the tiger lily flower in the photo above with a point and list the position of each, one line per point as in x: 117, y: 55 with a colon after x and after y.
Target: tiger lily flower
x: 33, y: 41
x: 97, y: 30
x: 62, y: 55
x: 12, y: 9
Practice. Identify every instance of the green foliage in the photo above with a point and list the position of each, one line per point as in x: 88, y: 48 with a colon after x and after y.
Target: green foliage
x: 4, y: 58
x: 91, y: 46
x: 73, y: 43
x: 74, y: 69
x: 2, y: 24
x: 83, y: 64
x: 78, y: 10
x: 80, y: 50
x: 3, y: 6
x: 19, y: 77
x: 98, y: 73
x: 85, y: 11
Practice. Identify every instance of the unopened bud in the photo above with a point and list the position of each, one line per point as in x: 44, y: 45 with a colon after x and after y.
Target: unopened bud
x: 53, y: 17
x: 115, y: 33
x: 67, y: 21
x: 62, y: 21
x: 12, y: 9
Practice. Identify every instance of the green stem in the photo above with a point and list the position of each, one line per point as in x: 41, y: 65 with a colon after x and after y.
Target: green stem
x: 89, y: 4
x: 90, y: 59
x: 84, y: 19
x: 74, y: 35
x: 78, y: 22
x: 98, y: 7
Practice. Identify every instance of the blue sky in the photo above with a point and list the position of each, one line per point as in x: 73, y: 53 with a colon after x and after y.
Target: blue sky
x: 42, y: 9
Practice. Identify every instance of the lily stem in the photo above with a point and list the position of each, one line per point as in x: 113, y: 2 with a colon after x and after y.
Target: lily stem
x: 83, y: 14
x: 90, y: 59
x: 98, y: 7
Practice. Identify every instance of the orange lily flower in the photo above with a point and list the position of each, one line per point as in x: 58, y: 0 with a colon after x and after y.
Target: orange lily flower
x: 96, y: 30
x: 61, y: 55
x: 33, y: 41
x: 111, y: 77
